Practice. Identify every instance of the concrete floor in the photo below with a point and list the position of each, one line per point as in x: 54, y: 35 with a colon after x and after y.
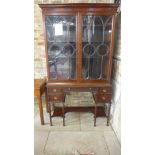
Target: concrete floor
x: 79, y: 136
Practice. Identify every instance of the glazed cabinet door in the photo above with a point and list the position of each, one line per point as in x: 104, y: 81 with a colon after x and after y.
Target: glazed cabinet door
x: 96, y: 41
x: 61, y: 46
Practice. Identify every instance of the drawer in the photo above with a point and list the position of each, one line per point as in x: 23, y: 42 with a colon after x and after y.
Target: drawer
x: 92, y: 88
x: 67, y: 89
x: 55, y: 90
x: 80, y: 89
x: 103, y: 97
x: 105, y: 90
x: 57, y: 97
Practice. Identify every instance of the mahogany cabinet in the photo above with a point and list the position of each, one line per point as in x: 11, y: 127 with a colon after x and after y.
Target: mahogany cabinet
x: 79, y: 40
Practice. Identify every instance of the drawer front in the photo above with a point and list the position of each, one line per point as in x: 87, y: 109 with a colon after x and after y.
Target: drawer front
x: 80, y: 89
x: 104, y: 97
x: 56, y: 97
x: 105, y: 90
x: 55, y: 90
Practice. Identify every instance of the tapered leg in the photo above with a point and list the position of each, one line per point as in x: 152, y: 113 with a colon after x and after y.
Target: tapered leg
x: 108, y: 117
x: 95, y: 112
x: 41, y: 110
x: 46, y: 100
x: 63, y: 113
x: 49, y: 108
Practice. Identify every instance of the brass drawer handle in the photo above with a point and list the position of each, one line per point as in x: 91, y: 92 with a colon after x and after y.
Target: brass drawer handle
x: 104, y: 90
x: 103, y: 98
x: 69, y: 89
x: 54, y: 90
x: 55, y: 98
x: 89, y: 88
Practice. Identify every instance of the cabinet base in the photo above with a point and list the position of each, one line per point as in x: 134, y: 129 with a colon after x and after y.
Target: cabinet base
x: 58, y: 110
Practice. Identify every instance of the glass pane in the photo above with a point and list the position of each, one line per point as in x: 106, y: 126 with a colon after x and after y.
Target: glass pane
x: 96, y: 45
x: 61, y: 37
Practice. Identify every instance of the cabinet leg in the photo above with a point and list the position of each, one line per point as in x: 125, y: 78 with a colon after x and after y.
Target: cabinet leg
x: 49, y: 108
x: 50, y: 119
x: 63, y: 113
x: 108, y: 117
x: 46, y: 100
x: 40, y: 110
x: 95, y: 112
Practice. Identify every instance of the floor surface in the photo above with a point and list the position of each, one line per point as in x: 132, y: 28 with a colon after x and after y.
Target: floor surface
x: 79, y: 136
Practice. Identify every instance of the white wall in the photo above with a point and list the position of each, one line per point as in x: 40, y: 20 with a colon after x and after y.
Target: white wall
x: 116, y: 82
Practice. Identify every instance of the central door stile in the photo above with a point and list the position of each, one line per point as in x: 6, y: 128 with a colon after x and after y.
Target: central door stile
x: 79, y: 47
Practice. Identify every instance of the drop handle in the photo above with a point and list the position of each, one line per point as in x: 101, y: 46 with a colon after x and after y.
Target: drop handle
x: 103, y: 98
x: 54, y: 90
x: 55, y: 98
x: 104, y: 90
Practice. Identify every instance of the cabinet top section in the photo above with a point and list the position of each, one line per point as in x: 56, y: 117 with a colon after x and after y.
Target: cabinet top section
x: 105, y: 7
x: 79, y: 5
